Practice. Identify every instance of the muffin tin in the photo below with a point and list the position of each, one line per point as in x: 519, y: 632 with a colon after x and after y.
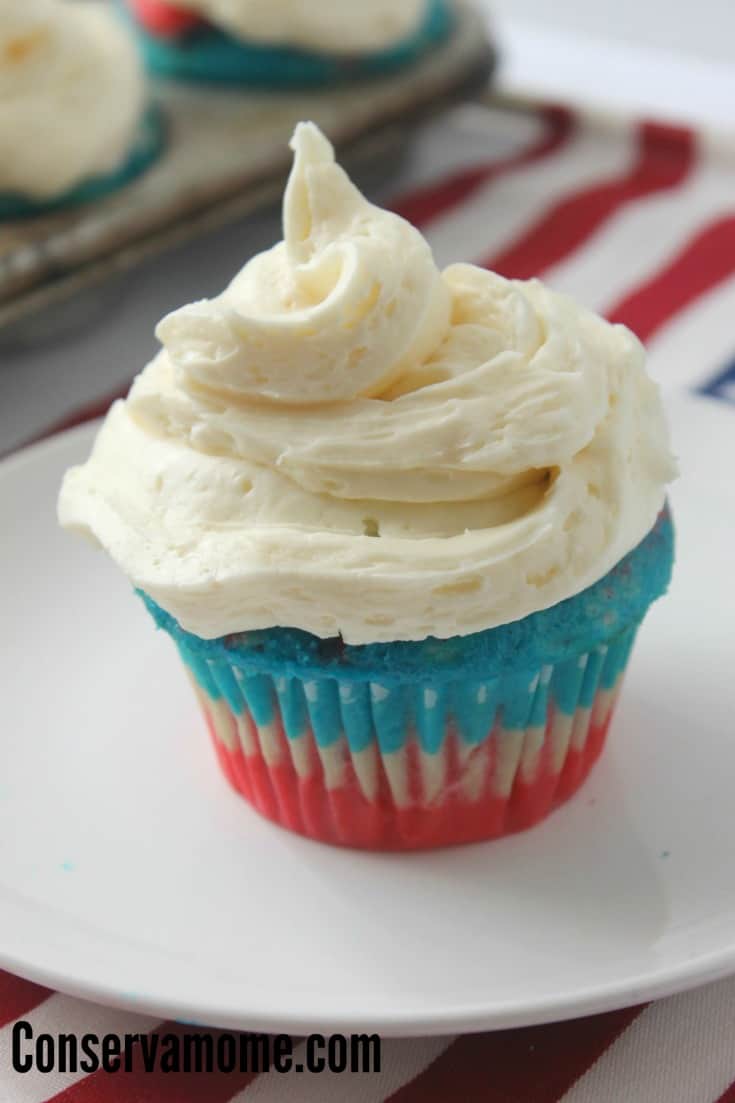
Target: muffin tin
x: 226, y: 154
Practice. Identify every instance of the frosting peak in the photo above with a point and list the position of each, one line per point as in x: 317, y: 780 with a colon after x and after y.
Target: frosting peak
x: 349, y: 442
x: 339, y: 310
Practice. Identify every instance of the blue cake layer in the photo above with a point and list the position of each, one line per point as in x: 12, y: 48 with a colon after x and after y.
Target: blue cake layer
x: 209, y: 54
x: 148, y: 144
x: 608, y: 611
x: 389, y: 714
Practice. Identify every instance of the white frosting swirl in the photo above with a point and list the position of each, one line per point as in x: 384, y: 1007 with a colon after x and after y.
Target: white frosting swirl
x: 339, y: 310
x: 71, y: 95
x: 346, y: 441
x: 329, y: 26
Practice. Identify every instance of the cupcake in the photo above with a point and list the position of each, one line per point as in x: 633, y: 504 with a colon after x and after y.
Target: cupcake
x: 74, y: 121
x: 286, y: 43
x: 402, y: 525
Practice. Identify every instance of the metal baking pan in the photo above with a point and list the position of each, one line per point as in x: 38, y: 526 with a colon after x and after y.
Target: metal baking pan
x: 226, y: 154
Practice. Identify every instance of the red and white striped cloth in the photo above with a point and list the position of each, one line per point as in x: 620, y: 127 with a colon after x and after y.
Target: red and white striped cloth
x: 637, y: 219
x: 678, y: 1050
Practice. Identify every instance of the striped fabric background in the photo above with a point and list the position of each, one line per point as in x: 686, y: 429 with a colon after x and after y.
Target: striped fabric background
x: 679, y: 1050
x: 637, y: 219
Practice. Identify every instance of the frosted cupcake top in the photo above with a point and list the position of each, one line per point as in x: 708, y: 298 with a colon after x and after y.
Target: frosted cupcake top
x: 328, y: 26
x: 349, y: 441
x: 71, y: 95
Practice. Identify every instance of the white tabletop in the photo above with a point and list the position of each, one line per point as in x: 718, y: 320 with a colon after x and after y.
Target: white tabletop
x: 652, y: 56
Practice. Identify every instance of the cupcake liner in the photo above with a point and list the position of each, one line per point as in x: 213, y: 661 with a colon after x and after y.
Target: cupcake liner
x: 408, y: 766
x: 410, y: 745
x: 177, y: 49
x: 147, y: 145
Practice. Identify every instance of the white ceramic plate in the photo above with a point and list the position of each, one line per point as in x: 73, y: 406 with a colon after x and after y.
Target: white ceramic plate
x: 131, y: 874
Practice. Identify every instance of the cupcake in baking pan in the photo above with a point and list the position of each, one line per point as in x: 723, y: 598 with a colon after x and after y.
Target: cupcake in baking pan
x: 402, y: 525
x: 75, y: 122
x: 286, y: 43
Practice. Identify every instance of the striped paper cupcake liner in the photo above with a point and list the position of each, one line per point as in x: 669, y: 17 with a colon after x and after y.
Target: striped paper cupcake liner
x: 364, y: 764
